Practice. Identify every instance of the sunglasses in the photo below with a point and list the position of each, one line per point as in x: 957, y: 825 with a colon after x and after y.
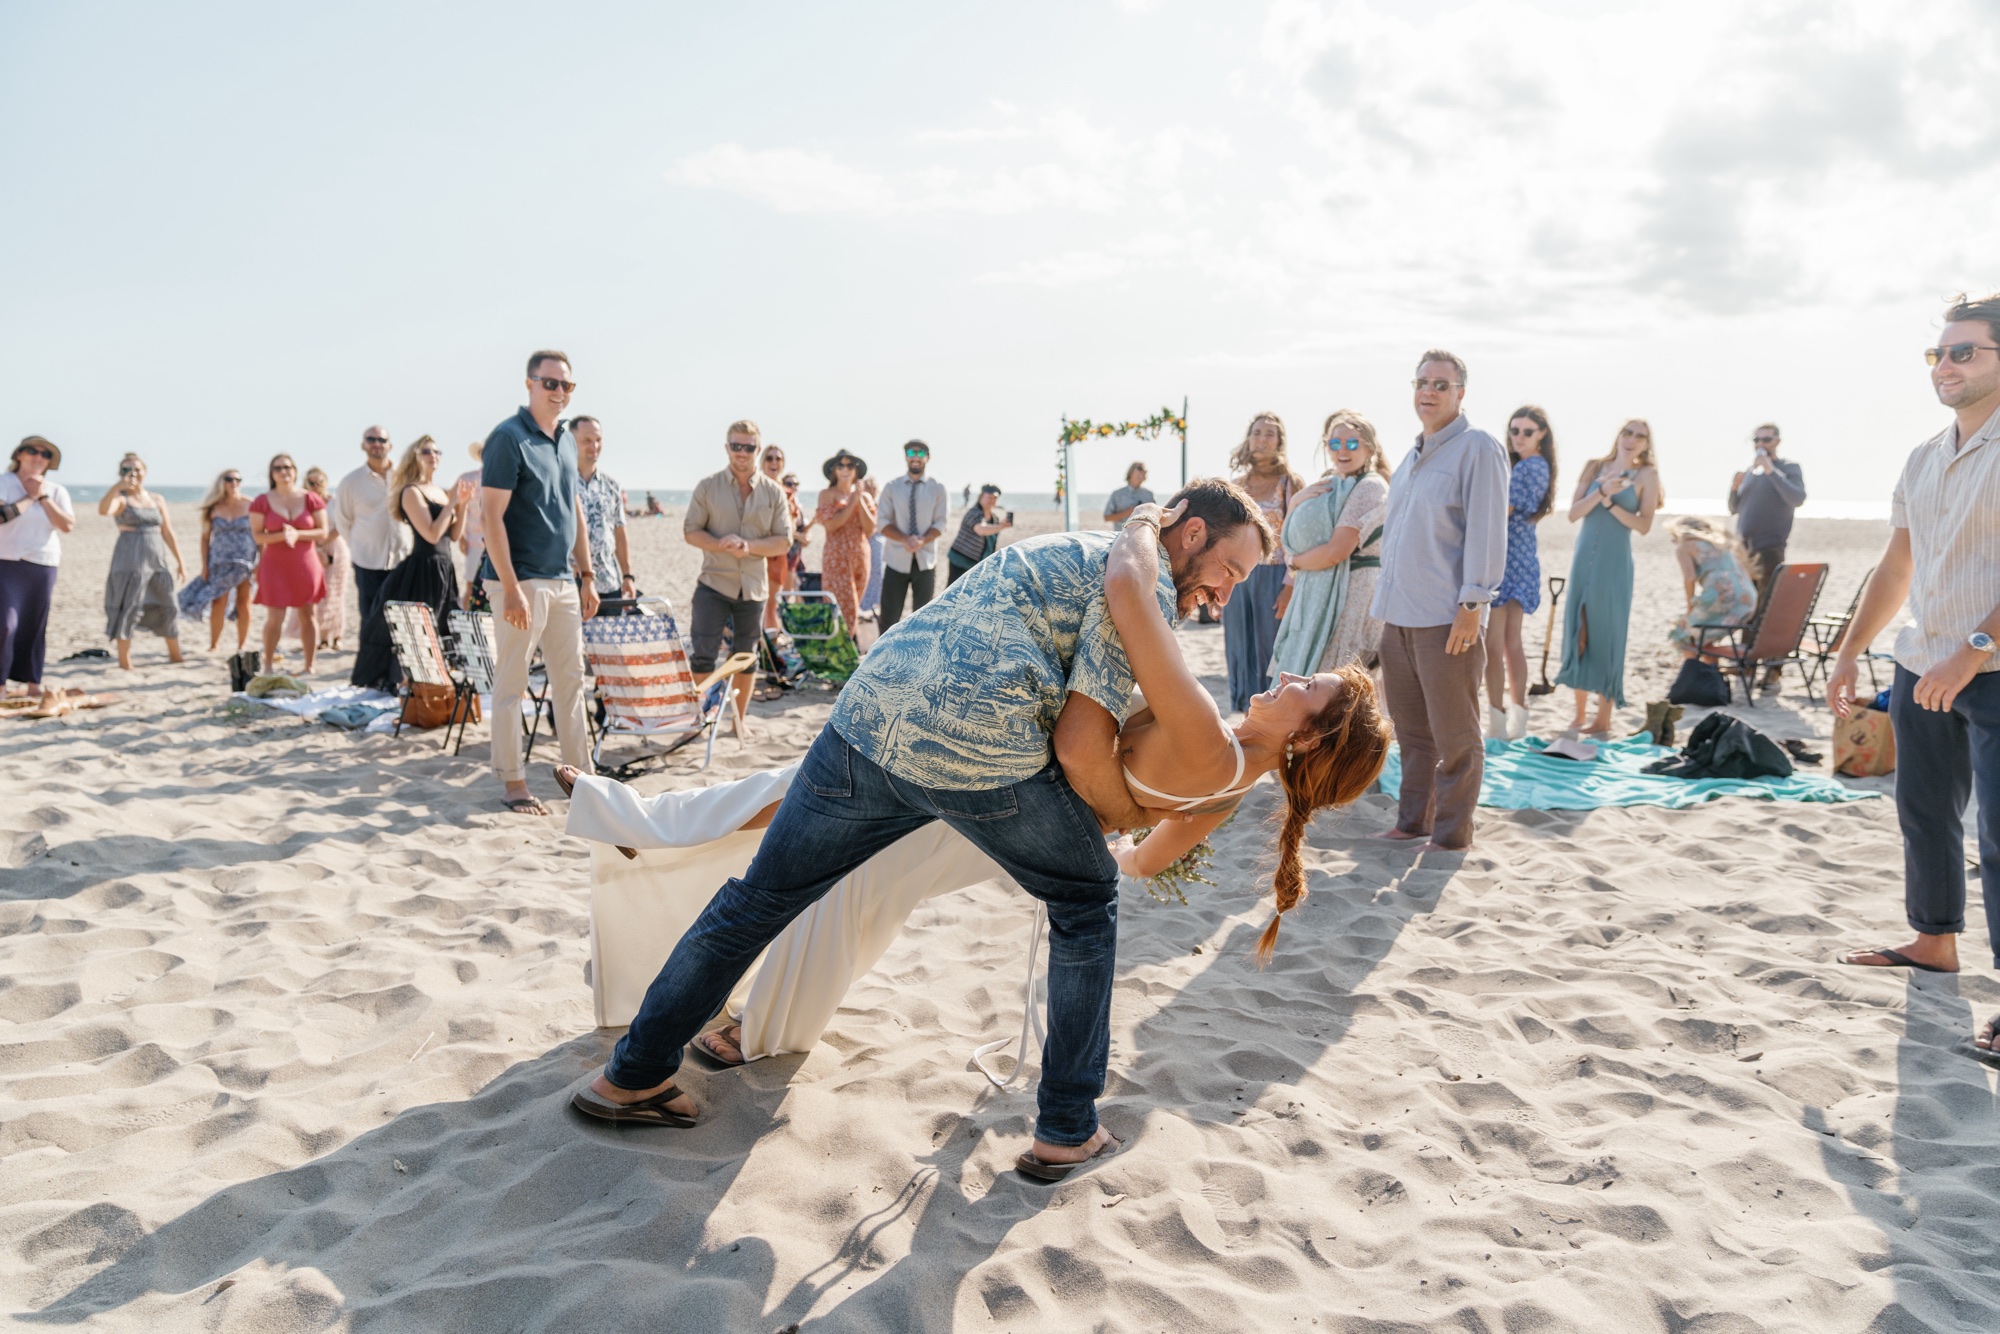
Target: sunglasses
x: 283, y: 467
x: 374, y: 439
x: 736, y: 447
x: 791, y: 484
x: 430, y: 453
x: 1636, y: 435
x: 1440, y: 386
x: 1343, y: 446
x: 1960, y: 353
x: 1518, y: 431
x: 128, y: 472
x: 555, y: 386
x: 916, y: 453
x: 1763, y: 439
x: 232, y: 480
x: 36, y: 450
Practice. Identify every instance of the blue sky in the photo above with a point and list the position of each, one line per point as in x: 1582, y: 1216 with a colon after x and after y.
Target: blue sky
x: 243, y: 228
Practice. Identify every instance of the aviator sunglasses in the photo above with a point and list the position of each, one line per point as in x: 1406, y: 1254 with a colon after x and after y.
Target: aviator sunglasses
x: 553, y: 385
x: 1343, y: 446
x: 1440, y: 386
x: 1960, y: 353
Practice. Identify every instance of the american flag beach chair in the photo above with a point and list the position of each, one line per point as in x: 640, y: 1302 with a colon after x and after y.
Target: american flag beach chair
x: 648, y: 691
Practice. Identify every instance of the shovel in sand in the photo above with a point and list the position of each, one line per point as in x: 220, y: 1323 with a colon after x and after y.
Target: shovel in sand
x: 1556, y: 586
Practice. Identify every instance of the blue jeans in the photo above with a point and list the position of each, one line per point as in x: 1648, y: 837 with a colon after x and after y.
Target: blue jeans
x: 1940, y: 758
x: 843, y: 809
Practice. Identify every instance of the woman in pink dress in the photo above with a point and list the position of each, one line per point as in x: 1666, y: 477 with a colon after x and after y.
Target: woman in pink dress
x: 289, y: 522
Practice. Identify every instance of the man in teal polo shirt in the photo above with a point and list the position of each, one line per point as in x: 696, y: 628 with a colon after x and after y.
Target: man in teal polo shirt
x: 537, y: 571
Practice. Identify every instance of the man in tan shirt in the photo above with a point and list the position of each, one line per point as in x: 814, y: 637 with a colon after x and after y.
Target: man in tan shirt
x: 1944, y: 555
x: 737, y: 518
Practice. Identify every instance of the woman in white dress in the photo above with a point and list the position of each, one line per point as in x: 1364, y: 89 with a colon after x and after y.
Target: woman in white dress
x: 1325, y: 735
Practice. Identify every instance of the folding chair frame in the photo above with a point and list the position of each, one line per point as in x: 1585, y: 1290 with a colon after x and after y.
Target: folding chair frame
x: 1735, y: 654
x: 1829, y: 633
x: 420, y: 653
x: 474, y: 634
x: 832, y: 636
x: 660, y: 608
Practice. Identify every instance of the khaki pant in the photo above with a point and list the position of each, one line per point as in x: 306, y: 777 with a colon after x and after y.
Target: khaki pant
x: 1433, y: 700
x: 555, y: 621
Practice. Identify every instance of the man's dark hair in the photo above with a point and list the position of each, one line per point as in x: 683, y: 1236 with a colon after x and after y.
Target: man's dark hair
x: 1224, y: 507
x: 546, y: 354
x: 585, y: 420
x: 1450, y: 359
x: 1983, y: 308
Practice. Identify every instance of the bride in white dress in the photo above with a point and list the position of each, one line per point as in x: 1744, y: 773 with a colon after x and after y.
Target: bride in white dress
x: 1324, y: 735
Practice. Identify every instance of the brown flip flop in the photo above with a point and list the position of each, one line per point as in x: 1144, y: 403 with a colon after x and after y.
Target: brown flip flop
x: 569, y: 790
x: 1030, y: 1166
x: 652, y: 1112
x: 1896, y: 959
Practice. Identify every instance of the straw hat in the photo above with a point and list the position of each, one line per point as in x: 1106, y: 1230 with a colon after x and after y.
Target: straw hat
x: 860, y: 466
x: 45, y: 443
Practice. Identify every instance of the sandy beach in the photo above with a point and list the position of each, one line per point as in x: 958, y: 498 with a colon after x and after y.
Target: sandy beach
x: 291, y: 1017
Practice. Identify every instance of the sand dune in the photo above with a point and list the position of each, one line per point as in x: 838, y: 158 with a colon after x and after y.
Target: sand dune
x: 296, y: 1012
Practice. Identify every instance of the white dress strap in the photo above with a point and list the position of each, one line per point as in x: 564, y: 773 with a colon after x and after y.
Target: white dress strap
x: 1175, y: 803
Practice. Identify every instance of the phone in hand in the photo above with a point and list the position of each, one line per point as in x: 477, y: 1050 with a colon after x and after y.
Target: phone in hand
x: 1010, y: 516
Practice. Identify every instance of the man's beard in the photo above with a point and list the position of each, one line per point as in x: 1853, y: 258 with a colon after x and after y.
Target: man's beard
x: 1188, y: 589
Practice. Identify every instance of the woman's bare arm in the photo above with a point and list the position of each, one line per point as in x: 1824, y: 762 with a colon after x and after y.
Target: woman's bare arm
x: 1180, y: 703
x: 1168, y: 842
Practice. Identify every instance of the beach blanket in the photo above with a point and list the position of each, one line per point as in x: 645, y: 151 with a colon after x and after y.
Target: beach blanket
x: 310, y: 707
x: 1520, y: 778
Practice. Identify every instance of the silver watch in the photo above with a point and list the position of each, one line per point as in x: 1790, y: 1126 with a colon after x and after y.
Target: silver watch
x: 1980, y: 640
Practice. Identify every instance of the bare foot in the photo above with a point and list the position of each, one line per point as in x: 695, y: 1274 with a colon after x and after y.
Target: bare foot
x: 1398, y: 835
x: 610, y: 1092
x: 1989, y: 1033
x: 1073, y: 1153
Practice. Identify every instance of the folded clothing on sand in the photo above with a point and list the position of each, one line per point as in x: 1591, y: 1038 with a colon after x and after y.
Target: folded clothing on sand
x: 1520, y: 778
x: 314, y: 706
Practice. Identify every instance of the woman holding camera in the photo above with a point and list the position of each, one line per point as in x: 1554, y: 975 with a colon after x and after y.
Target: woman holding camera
x: 34, y: 512
x: 978, y: 533
x: 139, y: 590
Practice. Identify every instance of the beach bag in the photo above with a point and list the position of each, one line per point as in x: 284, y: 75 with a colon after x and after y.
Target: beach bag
x: 1700, y: 683
x: 430, y: 705
x: 1864, y: 744
x: 1724, y: 746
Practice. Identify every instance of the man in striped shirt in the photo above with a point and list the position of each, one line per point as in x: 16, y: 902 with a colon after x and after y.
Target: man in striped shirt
x: 1944, y: 556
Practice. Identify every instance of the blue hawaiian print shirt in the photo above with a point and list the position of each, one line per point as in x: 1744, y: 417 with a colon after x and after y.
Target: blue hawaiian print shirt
x: 964, y: 695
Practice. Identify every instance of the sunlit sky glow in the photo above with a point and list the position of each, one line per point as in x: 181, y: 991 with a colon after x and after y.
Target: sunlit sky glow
x: 234, y: 229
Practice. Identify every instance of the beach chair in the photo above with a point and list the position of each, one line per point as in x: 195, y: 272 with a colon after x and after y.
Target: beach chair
x: 1829, y: 633
x: 474, y: 631
x: 819, y: 635
x: 1774, y: 636
x: 420, y: 653
x: 647, y: 688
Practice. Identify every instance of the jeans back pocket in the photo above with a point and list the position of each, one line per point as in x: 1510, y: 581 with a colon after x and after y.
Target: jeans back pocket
x: 828, y: 768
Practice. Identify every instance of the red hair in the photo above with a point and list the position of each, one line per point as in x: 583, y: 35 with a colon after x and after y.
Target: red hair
x: 1352, y: 746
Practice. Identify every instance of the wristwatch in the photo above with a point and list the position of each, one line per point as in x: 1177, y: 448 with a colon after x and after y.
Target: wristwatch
x: 1471, y: 606
x: 1980, y: 640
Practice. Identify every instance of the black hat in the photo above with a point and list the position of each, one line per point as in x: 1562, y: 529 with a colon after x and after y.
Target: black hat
x: 860, y: 465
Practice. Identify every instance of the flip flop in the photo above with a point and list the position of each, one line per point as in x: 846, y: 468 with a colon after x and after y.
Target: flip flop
x: 569, y: 791
x: 1030, y: 1166
x: 525, y: 806
x: 704, y: 1047
x: 652, y: 1112
x: 1990, y: 1055
x: 1896, y: 958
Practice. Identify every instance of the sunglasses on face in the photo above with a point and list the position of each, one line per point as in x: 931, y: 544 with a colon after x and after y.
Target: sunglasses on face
x: 232, y: 481
x: 374, y: 439
x: 916, y: 453
x: 128, y: 472
x: 1343, y: 446
x: 1440, y: 386
x: 555, y: 386
x: 1763, y: 439
x: 792, y: 484
x: 430, y: 453
x: 37, y: 451
x: 1960, y: 353
x: 735, y: 447
x: 1636, y: 435
x: 283, y: 467
x: 1522, y: 432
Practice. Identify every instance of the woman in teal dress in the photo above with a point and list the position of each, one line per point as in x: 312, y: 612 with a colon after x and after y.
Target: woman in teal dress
x: 1616, y: 496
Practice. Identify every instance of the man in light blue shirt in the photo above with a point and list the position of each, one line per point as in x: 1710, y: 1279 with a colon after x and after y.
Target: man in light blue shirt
x: 1444, y: 550
x: 995, y: 709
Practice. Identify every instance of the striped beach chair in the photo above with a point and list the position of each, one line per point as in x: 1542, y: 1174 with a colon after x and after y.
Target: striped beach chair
x: 648, y: 691
x: 473, y: 631
x: 420, y: 654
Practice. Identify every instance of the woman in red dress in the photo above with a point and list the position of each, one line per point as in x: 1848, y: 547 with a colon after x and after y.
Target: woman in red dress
x: 288, y: 521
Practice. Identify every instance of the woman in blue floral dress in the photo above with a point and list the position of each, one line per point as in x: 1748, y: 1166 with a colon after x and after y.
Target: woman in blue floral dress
x: 1720, y: 590
x: 1531, y: 488
x: 228, y: 559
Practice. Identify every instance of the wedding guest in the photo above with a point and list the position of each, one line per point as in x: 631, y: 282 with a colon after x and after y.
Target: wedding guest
x: 603, y: 513
x: 138, y: 590
x: 290, y: 521
x: 914, y: 510
x: 361, y: 514
x: 1250, y: 617
x: 1333, y: 533
x: 228, y: 561
x: 537, y: 571
x: 978, y: 533
x: 30, y: 554
x: 778, y: 569
x: 846, y: 515
x: 1616, y: 496
x: 795, y: 556
x: 1764, y: 498
x: 738, y: 520
x: 1444, y: 553
x: 426, y: 575
x: 871, y: 597
x: 472, y: 539
x: 336, y: 564
x: 1944, y: 557
x: 1715, y: 575
x: 1129, y: 496
x: 1531, y: 494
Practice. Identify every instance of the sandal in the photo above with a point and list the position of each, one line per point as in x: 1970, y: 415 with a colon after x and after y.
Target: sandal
x: 568, y: 785
x: 1030, y: 1166
x: 1991, y: 1032
x: 525, y: 806
x: 705, y: 1046
x: 1896, y: 959
x: 652, y: 1112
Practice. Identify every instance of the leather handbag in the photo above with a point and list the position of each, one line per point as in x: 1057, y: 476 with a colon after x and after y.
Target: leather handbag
x: 431, y: 705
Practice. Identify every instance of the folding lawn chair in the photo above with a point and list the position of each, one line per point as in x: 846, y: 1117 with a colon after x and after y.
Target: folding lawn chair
x: 1773, y: 636
x: 420, y: 653
x: 647, y: 688
x: 1829, y: 633
x: 819, y: 634
x: 474, y: 630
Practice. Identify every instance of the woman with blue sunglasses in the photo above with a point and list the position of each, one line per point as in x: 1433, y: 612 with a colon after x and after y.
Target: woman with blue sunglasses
x: 1333, y: 534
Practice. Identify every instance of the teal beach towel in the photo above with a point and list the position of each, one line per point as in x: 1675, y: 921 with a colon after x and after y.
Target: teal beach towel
x: 1520, y: 778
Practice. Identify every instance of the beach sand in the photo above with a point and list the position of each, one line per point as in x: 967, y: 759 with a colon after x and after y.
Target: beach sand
x: 292, y: 1015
